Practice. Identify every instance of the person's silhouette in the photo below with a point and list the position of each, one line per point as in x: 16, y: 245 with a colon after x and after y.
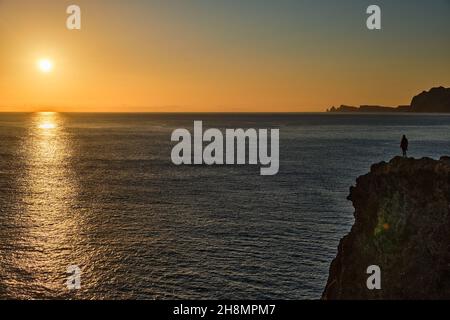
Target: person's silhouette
x: 404, y: 145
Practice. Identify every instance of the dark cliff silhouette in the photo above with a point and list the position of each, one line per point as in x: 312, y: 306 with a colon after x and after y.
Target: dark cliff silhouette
x: 402, y: 224
x: 433, y: 101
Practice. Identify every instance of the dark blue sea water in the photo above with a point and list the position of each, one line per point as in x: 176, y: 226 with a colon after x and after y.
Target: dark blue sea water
x: 99, y: 191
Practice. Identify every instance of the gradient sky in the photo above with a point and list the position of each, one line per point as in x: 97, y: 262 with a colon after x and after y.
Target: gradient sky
x: 220, y: 55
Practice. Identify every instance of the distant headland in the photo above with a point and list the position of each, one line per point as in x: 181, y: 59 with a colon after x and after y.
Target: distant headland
x: 437, y: 100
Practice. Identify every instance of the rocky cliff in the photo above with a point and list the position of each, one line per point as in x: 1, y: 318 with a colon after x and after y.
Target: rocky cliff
x: 435, y: 100
x: 402, y: 225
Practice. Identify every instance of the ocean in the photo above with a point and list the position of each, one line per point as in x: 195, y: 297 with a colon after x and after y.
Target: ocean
x: 99, y: 191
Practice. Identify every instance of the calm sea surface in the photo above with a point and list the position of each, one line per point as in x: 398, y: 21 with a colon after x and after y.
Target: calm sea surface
x: 99, y: 191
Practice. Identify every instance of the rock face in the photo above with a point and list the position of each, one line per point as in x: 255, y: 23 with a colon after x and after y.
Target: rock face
x: 402, y: 224
x: 435, y: 100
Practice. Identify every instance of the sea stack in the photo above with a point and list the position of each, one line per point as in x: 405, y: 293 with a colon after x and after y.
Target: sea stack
x: 402, y: 225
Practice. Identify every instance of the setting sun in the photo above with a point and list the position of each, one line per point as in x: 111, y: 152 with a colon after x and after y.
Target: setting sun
x: 45, y: 65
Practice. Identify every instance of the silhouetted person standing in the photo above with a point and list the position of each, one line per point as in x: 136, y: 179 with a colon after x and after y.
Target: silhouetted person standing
x: 404, y: 145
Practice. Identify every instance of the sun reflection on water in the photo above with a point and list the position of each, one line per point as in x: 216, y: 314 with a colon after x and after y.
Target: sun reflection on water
x: 46, y: 120
x: 47, y: 125
x: 51, y: 226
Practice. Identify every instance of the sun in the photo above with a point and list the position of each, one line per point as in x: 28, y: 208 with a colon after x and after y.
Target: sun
x: 45, y: 65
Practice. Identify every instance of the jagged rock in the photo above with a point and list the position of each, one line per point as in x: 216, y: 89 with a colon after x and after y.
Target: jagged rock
x: 402, y: 224
x: 332, y: 109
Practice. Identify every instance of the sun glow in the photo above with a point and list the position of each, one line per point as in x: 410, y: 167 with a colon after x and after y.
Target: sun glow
x: 47, y: 120
x: 45, y: 65
x: 47, y: 125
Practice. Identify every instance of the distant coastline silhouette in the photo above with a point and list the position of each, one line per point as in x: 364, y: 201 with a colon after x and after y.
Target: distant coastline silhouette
x: 436, y: 100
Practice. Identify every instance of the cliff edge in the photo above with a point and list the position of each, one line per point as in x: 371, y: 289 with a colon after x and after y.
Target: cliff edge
x: 402, y: 225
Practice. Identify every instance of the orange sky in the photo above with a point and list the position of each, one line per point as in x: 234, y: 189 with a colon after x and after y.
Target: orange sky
x: 192, y: 56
